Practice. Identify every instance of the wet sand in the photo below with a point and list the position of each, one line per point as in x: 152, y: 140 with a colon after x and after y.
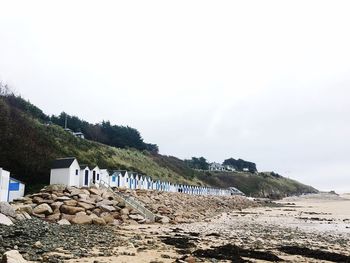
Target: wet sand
x: 302, y: 229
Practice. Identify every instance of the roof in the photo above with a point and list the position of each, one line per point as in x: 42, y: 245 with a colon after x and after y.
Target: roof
x: 84, y: 166
x: 14, y: 179
x: 62, y: 163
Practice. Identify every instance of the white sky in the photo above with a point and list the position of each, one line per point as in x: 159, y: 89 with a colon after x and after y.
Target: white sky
x: 266, y: 81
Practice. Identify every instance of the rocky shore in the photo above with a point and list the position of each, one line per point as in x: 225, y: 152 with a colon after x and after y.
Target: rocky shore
x: 215, y: 230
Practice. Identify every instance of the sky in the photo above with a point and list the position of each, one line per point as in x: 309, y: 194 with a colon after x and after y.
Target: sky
x: 265, y: 81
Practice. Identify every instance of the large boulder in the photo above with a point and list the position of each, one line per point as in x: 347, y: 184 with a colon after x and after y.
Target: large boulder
x: 42, y: 209
x: 98, y: 221
x: 95, y: 191
x: 86, y: 206
x: 13, y: 256
x: 107, y: 208
x: 82, y: 220
x: 70, y: 202
x: 4, y: 220
x: 71, y: 210
x: 7, y: 209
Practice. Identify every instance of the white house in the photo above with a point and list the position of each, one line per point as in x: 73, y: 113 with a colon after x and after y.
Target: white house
x: 95, y: 175
x: 229, y: 168
x: 16, y: 189
x: 85, y: 175
x: 4, y: 185
x: 65, y: 171
x: 216, y: 167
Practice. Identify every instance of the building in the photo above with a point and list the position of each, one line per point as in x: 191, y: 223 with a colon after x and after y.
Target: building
x: 16, y: 189
x: 229, y: 168
x: 79, y: 135
x: 85, y: 175
x: 216, y: 167
x: 10, y: 188
x: 4, y: 185
x: 104, y: 176
x: 65, y: 171
x: 95, y: 175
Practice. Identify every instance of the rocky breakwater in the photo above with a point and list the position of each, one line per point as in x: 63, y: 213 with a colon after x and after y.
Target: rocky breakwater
x: 185, y: 208
x: 71, y: 205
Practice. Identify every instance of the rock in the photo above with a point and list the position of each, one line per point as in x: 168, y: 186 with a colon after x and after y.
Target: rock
x: 124, y: 211
x: 83, y: 196
x: 70, y: 202
x: 55, y: 188
x: 94, y: 191
x: 42, y: 209
x: 107, y: 208
x: 98, y: 221
x: 122, y: 204
x: 63, y: 222
x: 108, y: 219
x: 190, y: 259
x: 4, y: 220
x: 71, y: 210
x: 82, y: 220
x: 38, y: 244
x: 53, y: 217
x: 63, y: 198
x: 162, y: 219
x: 67, y: 217
x: 81, y: 213
x: 104, y: 202
x: 56, y: 205
x: 86, y: 206
x: 24, y: 208
x: 13, y: 256
x: 20, y: 217
x: 137, y: 217
x: 7, y: 209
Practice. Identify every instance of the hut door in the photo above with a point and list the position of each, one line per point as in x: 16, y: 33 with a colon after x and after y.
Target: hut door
x: 86, y: 180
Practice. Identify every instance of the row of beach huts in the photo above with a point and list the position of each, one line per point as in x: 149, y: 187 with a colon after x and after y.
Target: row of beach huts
x: 67, y: 171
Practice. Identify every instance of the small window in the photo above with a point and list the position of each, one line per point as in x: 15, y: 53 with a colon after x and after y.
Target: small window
x: 98, y: 176
x: 76, y: 172
x: 113, y: 179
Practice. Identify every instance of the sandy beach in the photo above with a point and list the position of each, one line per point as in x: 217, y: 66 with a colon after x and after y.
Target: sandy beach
x: 297, y: 229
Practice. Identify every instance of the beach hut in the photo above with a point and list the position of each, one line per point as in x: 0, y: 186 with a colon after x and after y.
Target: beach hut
x: 95, y: 175
x: 85, y: 175
x: 65, y: 171
x: 104, y: 176
x: 16, y: 189
x: 4, y: 185
x: 148, y: 182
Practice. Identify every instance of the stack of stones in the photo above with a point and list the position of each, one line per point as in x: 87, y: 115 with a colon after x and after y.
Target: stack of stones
x: 71, y: 205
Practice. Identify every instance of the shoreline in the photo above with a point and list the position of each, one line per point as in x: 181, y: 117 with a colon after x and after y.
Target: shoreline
x: 295, y: 229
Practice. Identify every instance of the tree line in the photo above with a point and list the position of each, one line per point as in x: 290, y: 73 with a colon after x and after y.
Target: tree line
x: 104, y: 132
x: 239, y: 165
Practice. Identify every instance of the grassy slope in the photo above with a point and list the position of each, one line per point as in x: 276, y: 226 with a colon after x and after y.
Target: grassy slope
x: 262, y: 185
x: 27, y: 148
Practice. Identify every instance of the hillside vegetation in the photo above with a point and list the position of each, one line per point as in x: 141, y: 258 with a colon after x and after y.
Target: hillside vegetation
x: 28, y: 145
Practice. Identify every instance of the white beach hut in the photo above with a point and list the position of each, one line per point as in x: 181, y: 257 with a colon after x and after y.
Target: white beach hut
x: 4, y: 185
x: 104, y: 176
x: 95, y: 175
x: 16, y: 189
x: 85, y: 175
x: 65, y: 171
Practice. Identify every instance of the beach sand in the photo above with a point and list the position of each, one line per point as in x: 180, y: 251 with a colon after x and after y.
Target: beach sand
x: 296, y: 229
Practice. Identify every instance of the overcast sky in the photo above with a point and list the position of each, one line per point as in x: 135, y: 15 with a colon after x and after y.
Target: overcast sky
x: 266, y: 81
